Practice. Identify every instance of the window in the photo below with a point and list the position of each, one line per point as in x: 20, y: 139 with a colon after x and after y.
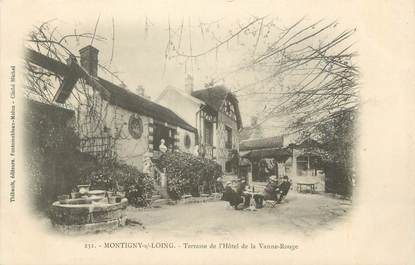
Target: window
x: 187, y: 141
x: 229, y: 109
x: 208, y: 135
x: 228, y: 143
x: 163, y: 132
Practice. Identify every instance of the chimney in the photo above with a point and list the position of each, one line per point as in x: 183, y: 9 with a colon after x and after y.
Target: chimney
x: 188, y: 84
x: 140, y: 91
x: 89, y: 59
x: 254, y: 121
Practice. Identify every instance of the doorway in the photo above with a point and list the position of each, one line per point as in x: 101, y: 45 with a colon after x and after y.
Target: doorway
x: 163, y: 132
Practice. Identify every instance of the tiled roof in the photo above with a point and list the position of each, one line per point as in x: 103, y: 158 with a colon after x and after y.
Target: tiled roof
x: 268, y: 153
x: 214, y: 97
x: 128, y: 100
x: 117, y: 95
x: 249, y: 132
x: 262, y: 143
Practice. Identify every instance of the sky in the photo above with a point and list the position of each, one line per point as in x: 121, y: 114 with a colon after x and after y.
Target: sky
x: 138, y: 49
x: 137, y: 43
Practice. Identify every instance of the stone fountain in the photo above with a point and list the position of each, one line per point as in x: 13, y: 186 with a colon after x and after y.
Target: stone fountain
x: 88, y: 211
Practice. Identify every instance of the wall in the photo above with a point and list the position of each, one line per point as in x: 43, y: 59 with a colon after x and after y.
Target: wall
x: 185, y: 107
x: 222, y: 153
x: 111, y: 121
x: 180, y: 143
x: 294, y: 175
x: 128, y: 149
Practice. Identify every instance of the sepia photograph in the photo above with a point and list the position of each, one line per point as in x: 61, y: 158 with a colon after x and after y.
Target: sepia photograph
x: 201, y: 130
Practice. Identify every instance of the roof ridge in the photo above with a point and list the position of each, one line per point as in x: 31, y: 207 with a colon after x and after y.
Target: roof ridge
x: 139, y: 107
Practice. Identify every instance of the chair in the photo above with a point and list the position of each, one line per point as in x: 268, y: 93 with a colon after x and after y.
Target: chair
x: 281, y: 194
x: 270, y: 203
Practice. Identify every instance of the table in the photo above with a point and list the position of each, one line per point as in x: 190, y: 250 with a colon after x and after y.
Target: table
x: 309, y: 185
x: 252, y: 203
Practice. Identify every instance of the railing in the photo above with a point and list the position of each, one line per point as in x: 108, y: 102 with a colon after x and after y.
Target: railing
x: 157, y: 176
x: 160, y: 181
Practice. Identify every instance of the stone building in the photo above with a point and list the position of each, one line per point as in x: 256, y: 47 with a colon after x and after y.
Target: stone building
x: 111, y: 120
x: 214, y: 112
x: 274, y: 156
x: 267, y: 156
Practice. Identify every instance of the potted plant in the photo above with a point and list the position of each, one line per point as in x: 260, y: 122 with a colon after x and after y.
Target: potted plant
x: 75, y: 194
x: 63, y: 198
x: 112, y: 199
x: 83, y: 188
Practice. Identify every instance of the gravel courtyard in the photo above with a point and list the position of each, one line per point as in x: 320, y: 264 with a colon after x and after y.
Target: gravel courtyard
x: 299, y: 213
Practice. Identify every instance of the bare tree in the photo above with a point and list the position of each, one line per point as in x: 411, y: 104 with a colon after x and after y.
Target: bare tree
x: 304, y: 72
x: 42, y: 84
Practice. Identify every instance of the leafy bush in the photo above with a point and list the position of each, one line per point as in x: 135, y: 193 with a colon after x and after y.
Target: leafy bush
x: 186, y: 172
x: 114, y: 176
x: 339, y: 137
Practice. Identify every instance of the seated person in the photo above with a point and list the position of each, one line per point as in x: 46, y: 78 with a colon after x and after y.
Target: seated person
x: 270, y: 192
x: 283, y: 188
x: 232, y: 196
x: 273, y: 191
x: 219, y: 185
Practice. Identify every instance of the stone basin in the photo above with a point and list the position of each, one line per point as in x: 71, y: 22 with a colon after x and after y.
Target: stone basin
x: 92, y: 216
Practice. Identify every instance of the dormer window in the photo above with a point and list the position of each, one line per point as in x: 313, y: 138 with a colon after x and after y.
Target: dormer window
x: 229, y: 109
x: 228, y: 143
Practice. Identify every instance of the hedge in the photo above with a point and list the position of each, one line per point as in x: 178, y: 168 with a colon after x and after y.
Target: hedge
x: 186, y: 172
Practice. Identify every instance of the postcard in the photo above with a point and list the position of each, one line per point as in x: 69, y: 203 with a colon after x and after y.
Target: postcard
x: 207, y: 132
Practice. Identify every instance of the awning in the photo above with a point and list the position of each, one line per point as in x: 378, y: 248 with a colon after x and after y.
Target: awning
x: 244, y: 153
x: 277, y: 153
x: 243, y: 162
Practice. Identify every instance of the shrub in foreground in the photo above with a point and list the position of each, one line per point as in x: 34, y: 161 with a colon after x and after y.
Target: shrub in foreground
x: 186, y: 173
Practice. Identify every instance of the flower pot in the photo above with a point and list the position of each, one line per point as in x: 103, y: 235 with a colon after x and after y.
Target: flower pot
x: 96, y: 198
x: 112, y: 199
x: 83, y: 189
x: 110, y: 193
x: 75, y: 195
x: 78, y: 201
x: 63, y: 198
x: 99, y: 193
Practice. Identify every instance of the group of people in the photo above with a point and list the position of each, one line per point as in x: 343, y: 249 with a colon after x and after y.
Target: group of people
x: 273, y: 191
